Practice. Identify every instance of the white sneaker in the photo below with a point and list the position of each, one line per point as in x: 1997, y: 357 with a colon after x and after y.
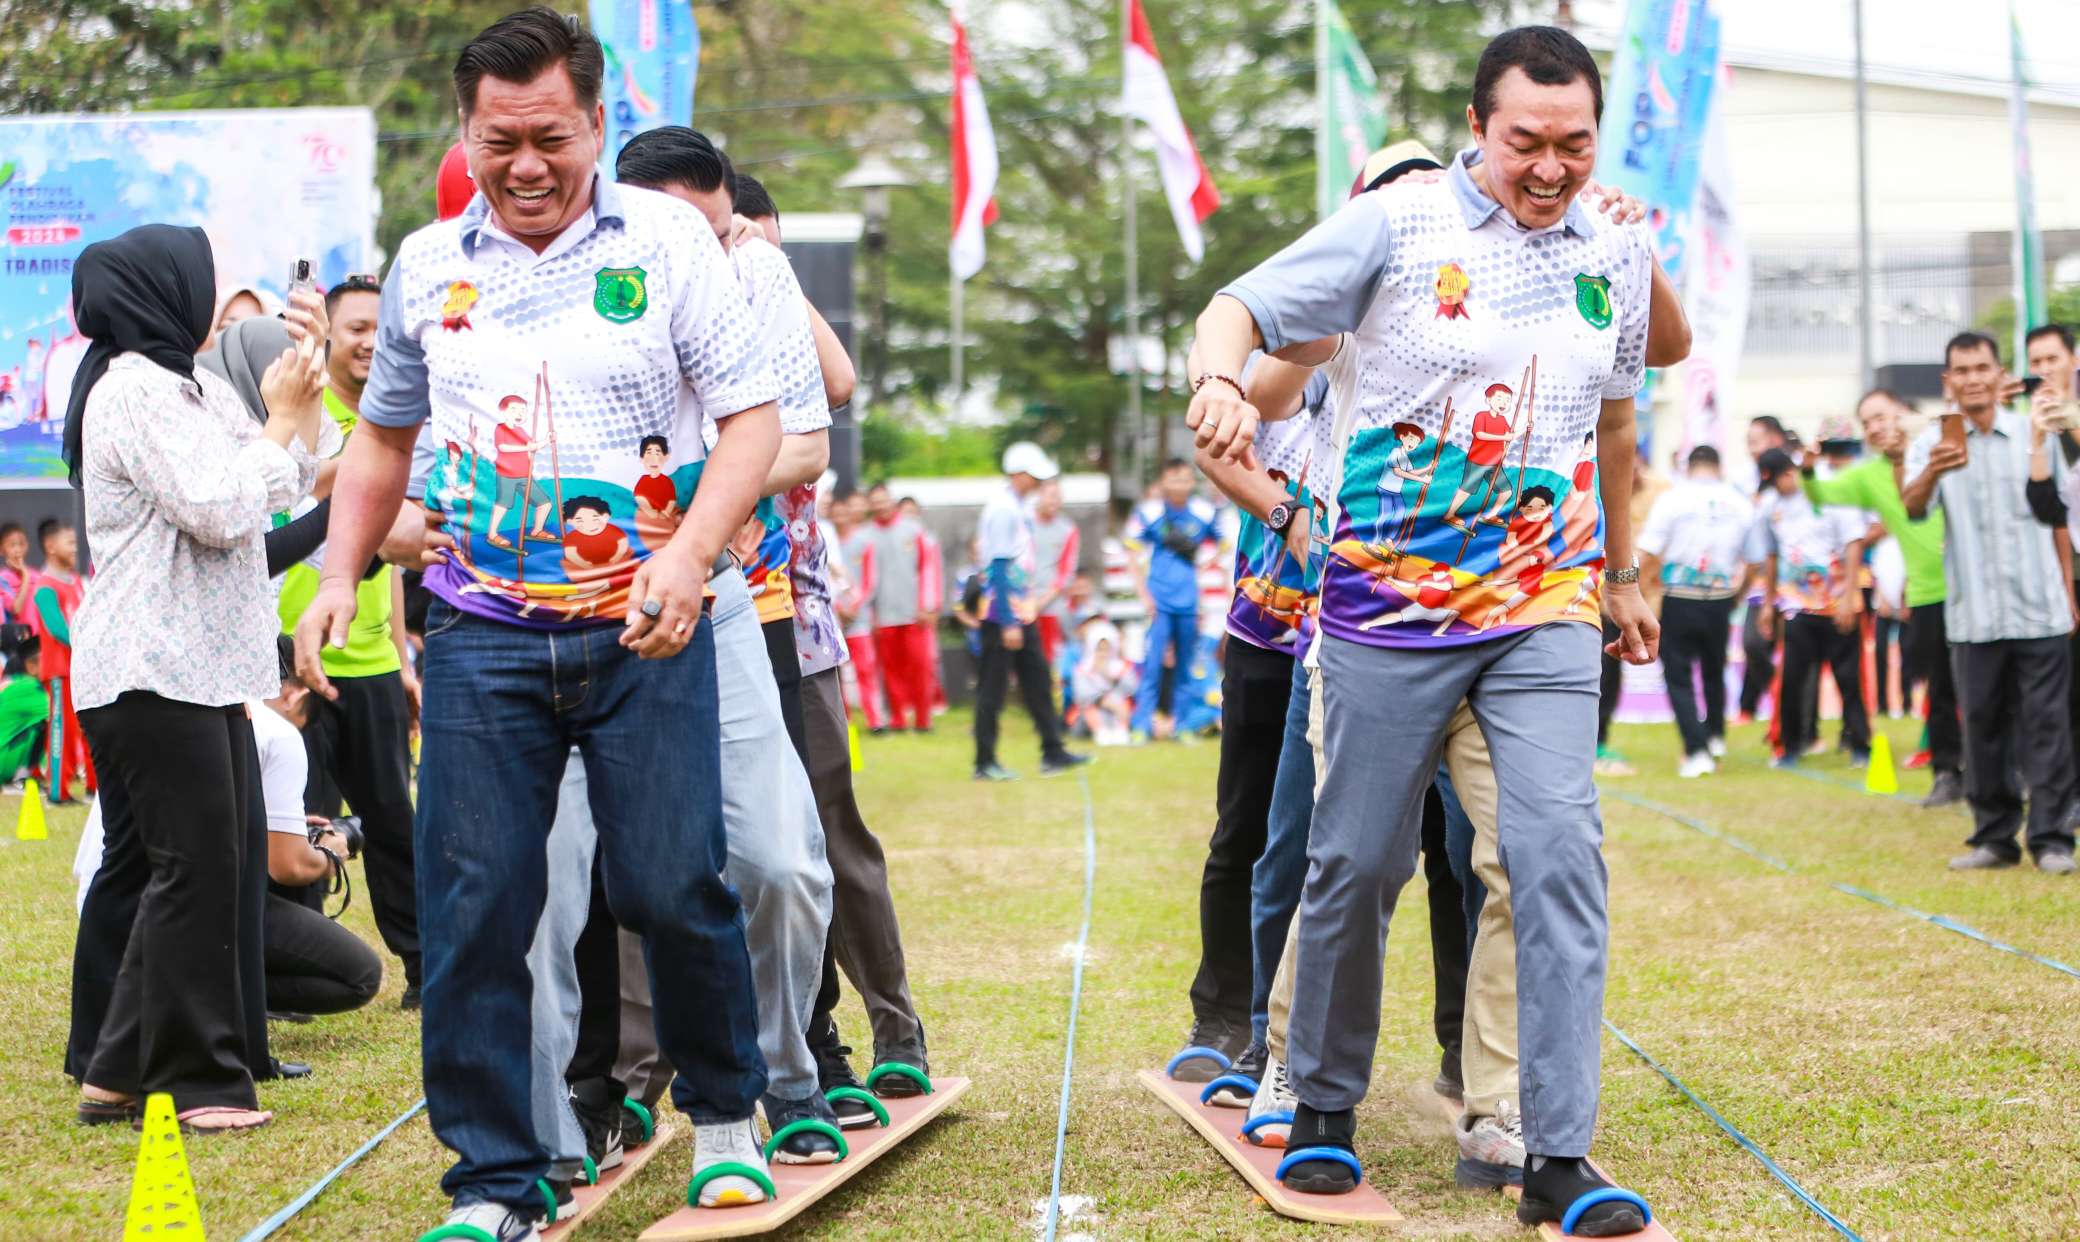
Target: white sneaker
x: 493, y: 1220
x: 1699, y: 764
x: 1274, y: 1095
x: 1715, y: 747
x: 732, y: 1142
x: 1494, y: 1140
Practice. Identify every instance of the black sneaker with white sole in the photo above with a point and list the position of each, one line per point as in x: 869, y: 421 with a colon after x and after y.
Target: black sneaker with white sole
x: 1216, y: 1036
x: 807, y: 1130
x: 596, y: 1102
x: 896, y: 1084
x: 834, y: 1073
x: 1250, y: 1066
x: 1066, y: 761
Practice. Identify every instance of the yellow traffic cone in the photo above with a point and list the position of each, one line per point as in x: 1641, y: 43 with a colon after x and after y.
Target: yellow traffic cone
x: 162, y: 1195
x: 28, y: 826
x: 1881, y: 778
x: 859, y: 760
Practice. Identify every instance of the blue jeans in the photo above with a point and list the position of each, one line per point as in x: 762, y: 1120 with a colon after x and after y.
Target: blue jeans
x: 504, y: 706
x: 1458, y: 849
x: 1177, y: 632
x: 1274, y: 886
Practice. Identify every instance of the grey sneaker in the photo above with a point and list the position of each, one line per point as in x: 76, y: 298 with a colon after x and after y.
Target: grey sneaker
x: 995, y: 772
x: 1947, y: 791
x: 1983, y: 859
x: 2055, y: 864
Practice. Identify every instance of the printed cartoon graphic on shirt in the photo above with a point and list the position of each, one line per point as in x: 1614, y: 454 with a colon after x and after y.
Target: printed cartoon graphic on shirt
x: 515, y: 444
x: 1466, y: 562
x: 655, y: 495
x: 1274, y: 599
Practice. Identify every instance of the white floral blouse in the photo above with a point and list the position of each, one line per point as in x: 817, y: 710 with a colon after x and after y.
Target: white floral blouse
x: 180, y: 488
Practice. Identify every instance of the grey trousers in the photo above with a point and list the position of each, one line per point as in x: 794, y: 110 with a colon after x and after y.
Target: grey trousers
x: 1385, y: 713
x: 776, y: 864
x: 572, y: 842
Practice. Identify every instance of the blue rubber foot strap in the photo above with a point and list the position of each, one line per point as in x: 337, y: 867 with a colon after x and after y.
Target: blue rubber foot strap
x: 1254, y: 1124
x: 1334, y: 1155
x: 1227, y: 1080
x: 1609, y: 1194
x: 1214, y: 1055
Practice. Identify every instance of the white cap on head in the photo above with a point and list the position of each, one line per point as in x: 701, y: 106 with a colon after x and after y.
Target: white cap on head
x: 1026, y: 457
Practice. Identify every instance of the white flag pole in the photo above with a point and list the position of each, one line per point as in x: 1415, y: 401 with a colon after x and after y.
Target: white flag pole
x: 1133, y: 291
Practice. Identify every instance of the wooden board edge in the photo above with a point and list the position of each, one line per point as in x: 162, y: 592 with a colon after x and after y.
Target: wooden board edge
x: 622, y: 1174
x: 1266, y: 1188
x: 944, y: 1092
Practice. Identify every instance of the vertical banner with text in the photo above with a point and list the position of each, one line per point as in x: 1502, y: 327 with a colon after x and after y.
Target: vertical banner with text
x: 653, y: 49
x: 1351, y: 121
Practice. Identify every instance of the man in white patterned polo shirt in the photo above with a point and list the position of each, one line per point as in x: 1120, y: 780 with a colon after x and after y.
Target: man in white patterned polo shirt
x: 1426, y: 295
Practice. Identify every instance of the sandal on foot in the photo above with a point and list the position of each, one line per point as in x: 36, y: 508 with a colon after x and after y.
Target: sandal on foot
x: 189, y: 1117
x: 94, y: 1112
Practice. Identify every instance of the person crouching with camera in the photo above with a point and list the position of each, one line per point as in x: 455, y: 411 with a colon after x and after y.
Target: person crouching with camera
x: 314, y: 965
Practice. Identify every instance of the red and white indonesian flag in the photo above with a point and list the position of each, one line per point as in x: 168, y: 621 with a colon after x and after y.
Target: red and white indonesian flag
x: 1186, y: 182
x: 974, y: 162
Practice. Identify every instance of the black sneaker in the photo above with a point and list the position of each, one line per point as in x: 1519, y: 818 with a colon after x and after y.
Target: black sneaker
x: 284, y: 1070
x: 284, y: 1015
x: 898, y: 1085
x: 834, y: 1072
x: 1249, y: 1065
x: 1947, y: 791
x: 410, y: 999
x: 596, y: 1102
x: 1067, y: 761
x: 1216, y: 1036
x: 809, y: 1145
x: 995, y: 772
x: 1313, y: 1129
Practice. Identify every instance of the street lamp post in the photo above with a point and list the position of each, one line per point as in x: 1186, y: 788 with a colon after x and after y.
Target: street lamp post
x: 874, y: 177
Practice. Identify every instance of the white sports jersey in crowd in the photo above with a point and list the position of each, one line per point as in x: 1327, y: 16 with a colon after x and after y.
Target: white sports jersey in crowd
x: 1698, y: 530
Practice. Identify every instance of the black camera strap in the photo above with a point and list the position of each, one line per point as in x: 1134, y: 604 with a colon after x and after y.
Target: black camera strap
x: 341, y: 886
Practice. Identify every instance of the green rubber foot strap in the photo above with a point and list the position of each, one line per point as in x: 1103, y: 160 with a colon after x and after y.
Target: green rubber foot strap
x: 591, y: 1172
x: 728, y: 1168
x: 807, y: 1125
x: 642, y: 1114
x: 867, y: 1098
x: 548, y: 1197
x: 457, y: 1233
x: 911, y: 1072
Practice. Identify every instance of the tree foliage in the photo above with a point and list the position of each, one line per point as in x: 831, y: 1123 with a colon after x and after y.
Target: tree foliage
x: 799, y: 90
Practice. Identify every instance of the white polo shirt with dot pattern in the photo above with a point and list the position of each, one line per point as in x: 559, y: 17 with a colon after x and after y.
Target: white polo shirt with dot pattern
x: 1500, y: 344
x: 545, y: 376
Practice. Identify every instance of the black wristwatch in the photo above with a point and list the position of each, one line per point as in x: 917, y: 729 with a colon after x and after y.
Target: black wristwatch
x: 1280, y: 517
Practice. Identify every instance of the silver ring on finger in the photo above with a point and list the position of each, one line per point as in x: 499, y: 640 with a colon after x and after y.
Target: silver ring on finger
x: 653, y: 608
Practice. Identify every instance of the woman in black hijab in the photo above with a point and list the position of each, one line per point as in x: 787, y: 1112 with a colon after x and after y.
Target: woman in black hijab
x: 175, y: 638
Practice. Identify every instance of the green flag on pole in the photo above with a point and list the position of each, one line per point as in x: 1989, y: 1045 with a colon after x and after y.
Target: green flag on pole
x: 2027, y: 252
x: 1352, y: 121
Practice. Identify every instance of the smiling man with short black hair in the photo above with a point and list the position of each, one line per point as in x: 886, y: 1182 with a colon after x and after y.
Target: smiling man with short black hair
x: 1425, y: 299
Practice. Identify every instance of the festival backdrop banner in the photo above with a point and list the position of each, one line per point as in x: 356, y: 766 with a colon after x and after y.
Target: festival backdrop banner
x: 653, y: 50
x: 1715, y: 296
x: 269, y: 185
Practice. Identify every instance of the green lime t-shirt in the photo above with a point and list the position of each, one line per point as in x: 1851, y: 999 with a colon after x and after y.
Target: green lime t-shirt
x: 1869, y: 484
x: 370, y: 649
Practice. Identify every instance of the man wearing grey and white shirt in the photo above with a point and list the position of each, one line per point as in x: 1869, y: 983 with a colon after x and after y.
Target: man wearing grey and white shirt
x: 2007, y: 612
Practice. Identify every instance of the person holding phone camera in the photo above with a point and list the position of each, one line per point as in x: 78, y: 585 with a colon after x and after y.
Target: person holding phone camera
x: 2007, y: 611
x: 2055, y: 421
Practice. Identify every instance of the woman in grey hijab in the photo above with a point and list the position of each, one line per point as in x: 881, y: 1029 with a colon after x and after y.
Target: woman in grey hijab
x: 244, y: 351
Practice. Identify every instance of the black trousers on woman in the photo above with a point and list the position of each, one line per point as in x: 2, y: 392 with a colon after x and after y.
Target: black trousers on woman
x: 186, y: 834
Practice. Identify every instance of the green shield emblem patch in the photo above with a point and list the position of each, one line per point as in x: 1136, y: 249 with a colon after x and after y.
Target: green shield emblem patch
x: 1592, y: 297
x: 618, y: 294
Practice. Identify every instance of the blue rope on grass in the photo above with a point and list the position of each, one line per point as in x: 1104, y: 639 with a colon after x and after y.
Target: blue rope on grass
x: 1083, y: 937
x: 1935, y: 920
x: 1747, y: 1144
x: 304, y: 1200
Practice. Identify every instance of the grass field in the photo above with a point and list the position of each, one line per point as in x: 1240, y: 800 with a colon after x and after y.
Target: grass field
x: 1919, y: 1084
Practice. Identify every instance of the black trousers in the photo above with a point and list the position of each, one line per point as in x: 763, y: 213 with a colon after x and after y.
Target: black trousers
x: 1451, y: 950
x: 1035, y: 684
x: 1892, y: 690
x: 786, y: 659
x: 1256, y: 690
x: 360, y: 749
x: 1928, y: 650
x: 313, y: 964
x: 2016, y: 696
x: 1693, y: 640
x: 177, y: 1018
x: 1810, y: 641
x: 1612, y: 684
x: 1759, y: 660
